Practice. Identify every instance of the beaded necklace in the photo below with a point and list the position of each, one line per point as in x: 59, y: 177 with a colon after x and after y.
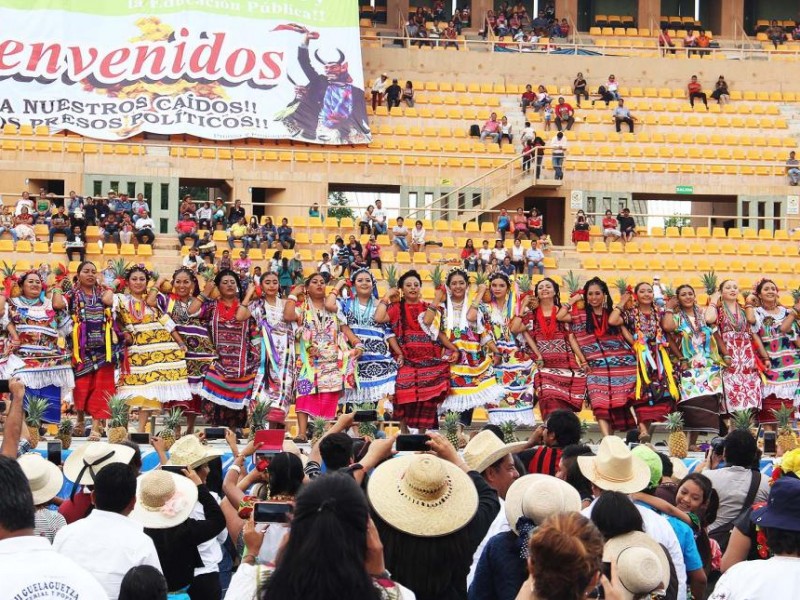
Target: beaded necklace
x: 362, y: 316
x: 737, y: 320
x: 136, y: 308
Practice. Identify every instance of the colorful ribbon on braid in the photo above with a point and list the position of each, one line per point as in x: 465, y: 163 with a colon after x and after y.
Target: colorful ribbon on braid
x: 760, y: 366
x: 659, y: 363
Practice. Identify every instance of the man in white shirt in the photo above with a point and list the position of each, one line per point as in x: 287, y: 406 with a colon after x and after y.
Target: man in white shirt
x: 379, y: 225
x: 558, y: 147
x: 29, y: 567
x: 108, y: 543
x: 378, y: 89
x: 535, y: 259
x: 527, y: 133
x: 144, y: 229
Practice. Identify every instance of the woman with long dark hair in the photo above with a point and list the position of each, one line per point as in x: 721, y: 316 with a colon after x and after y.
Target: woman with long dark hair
x: 701, y: 365
x: 610, y: 362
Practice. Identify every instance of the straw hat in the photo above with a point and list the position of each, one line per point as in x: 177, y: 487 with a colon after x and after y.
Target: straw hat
x: 615, y: 468
x: 86, y: 461
x: 44, y: 478
x: 190, y: 451
x: 486, y: 448
x: 537, y: 497
x: 292, y: 448
x: 422, y: 495
x: 679, y: 468
x: 163, y: 499
x: 642, y: 563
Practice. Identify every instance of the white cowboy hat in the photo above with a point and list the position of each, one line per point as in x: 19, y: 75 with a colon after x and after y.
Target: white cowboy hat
x: 44, y: 478
x: 422, y: 495
x: 86, y: 461
x: 642, y: 563
x: 538, y: 496
x: 615, y: 468
x: 189, y: 451
x: 163, y: 499
x: 486, y: 448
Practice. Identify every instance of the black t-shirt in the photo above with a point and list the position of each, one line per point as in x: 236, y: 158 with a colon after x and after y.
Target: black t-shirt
x: 748, y: 528
x: 626, y: 223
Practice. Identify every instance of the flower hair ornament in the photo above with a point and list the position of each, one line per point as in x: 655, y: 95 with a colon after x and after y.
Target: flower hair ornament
x: 458, y: 271
x: 761, y: 282
x: 18, y: 280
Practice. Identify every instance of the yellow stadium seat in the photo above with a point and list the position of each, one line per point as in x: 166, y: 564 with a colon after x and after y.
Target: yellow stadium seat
x: 599, y: 247
x: 110, y: 249
x: 583, y: 247
x: 127, y: 250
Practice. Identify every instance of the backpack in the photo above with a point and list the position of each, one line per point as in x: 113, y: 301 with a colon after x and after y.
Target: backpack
x: 475, y: 131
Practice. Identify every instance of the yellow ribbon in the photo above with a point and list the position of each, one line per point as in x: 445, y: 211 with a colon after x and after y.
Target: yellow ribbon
x: 108, y: 334
x: 673, y: 388
x: 76, y: 346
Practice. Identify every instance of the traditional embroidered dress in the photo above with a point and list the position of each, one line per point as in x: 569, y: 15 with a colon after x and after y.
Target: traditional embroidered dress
x: 9, y: 362
x: 701, y: 381
x: 783, y: 371
x: 656, y: 390
x: 375, y: 370
x: 154, y: 372
x: 741, y: 382
x: 321, y: 361
x: 560, y: 383
x: 47, y: 371
x: 228, y: 385
x: 200, y: 351
x: 515, y: 373
x: 96, y: 348
x: 424, y: 379
x: 275, y: 380
x: 611, y: 382
x: 472, y: 379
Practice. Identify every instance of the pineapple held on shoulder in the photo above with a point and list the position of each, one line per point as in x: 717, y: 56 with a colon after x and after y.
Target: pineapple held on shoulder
x: 677, y: 442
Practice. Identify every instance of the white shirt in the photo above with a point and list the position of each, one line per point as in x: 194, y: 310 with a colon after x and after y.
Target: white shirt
x: 527, y: 134
x: 517, y: 253
x: 107, y: 545
x: 485, y: 254
x: 210, y: 550
x: 658, y: 528
x: 534, y: 254
x: 30, y: 568
x: 145, y: 222
x: 380, y: 85
x: 500, y: 254
x: 418, y: 235
x: 558, y: 145
x: 776, y: 577
x: 499, y: 525
x: 379, y: 215
x: 204, y: 213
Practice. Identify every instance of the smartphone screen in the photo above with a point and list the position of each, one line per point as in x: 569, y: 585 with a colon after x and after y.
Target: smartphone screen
x: 54, y: 452
x: 4, y: 386
x: 139, y: 438
x: 770, y: 442
x: 365, y: 416
x: 272, y: 512
x: 214, y: 433
x: 412, y: 443
x: 178, y: 470
x: 269, y: 439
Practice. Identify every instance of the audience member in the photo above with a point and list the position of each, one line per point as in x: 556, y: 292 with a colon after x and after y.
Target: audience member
x: 535, y: 260
x: 703, y: 42
x: 491, y: 128
x: 418, y: 237
x: 59, y: 223
x: 400, y: 235
x: 380, y: 223
x: 23, y: 226
x: 285, y: 234
x: 45, y: 480
x: 558, y: 150
x: 236, y: 212
x: 547, y: 117
x: 528, y: 97
x: 543, y: 99
x: 518, y: 256
x: 144, y: 229
x: 776, y: 34
x: 579, y: 89
x: 623, y: 115
x: 143, y: 583
x: 187, y: 228
x: 665, y: 42
x: 378, y: 90
x: 793, y: 168
x: 7, y: 223
x: 564, y: 114
x: 627, y: 225
x: 696, y: 91
x: 505, y: 131
x: 520, y: 224
x: 141, y: 204
x: 372, y: 253
x: 546, y: 442
x: 75, y: 244
x: 408, y: 94
x: 721, y: 93
x: 612, y: 86
x: 611, y: 231
x: 393, y: 93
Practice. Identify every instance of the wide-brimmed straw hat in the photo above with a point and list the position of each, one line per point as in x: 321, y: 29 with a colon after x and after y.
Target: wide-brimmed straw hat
x: 86, y: 461
x: 189, y: 451
x: 44, y: 478
x: 642, y: 563
x: 422, y: 495
x: 615, y: 468
x: 486, y: 448
x: 679, y: 468
x: 163, y: 499
x: 538, y: 496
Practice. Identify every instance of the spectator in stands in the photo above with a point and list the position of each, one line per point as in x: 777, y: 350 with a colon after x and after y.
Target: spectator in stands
x: 365, y: 222
x: 521, y: 13
x: 123, y: 206
x: 324, y: 267
x: 89, y: 211
x: 793, y: 169
x: 622, y: 114
x: 580, y: 230
x: 538, y: 153
x: 470, y: 256
x: 543, y: 99
x: 219, y: 213
x: 380, y: 224
x: 579, y: 89
x: 400, y: 235
x: 491, y: 128
x: 75, y: 243
x: 535, y: 224
x: 379, y: 86
x: 242, y: 266
x: 796, y: 31
x: 603, y: 95
x: 508, y: 267
x: 561, y: 30
x: 408, y: 94
x: 418, y: 237
x: 72, y: 202
x: 665, y: 42
x: 253, y: 236
x: 415, y: 23
x: 484, y: 256
x: 7, y: 223
x: 776, y: 34
x: 145, y: 229
x: 43, y: 211
x: 689, y: 42
x: 520, y: 222
x: 126, y: 229
x: 505, y: 132
x: 341, y: 257
x: 721, y: 93
x: 564, y: 114
x: 528, y: 97
x: 109, y: 231
x: 527, y: 134
x: 204, y: 216
x: 236, y: 213
x: 23, y: 226
x: 192, y: 261
x: 285, y: 234
x: 546, y: 442
x: 501, y: 28
x: 102, y: 210
x: 187, y: 205
x: 503, y: 223
x: 611, y: 230
x: 540, y: 22
x: 627, y: 225
x: 207, y: 245
x: 547, y: 116
x: 450, y: 34
x: 187, y: 228
x: 518, y: 256
x: 238, y: 231
x: 527, y: 155
x: 59, y: 223
x: 25, y: 201
x: 696, y: 91
x: 499, y: 252
x: 393, y: 93
x: 139, y: 204
x: 225, y: 263
x: 612, y: 86
x: 357, y: 251
x: 372, y: 253
x: 268, y: 232
x: 558, y: 146
x: 534, y: 257
x: 703, y: 42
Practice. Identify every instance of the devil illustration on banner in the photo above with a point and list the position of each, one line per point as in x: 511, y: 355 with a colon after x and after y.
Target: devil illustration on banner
x: 329, y: 108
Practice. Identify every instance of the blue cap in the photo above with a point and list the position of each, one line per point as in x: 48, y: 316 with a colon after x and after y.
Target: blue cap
x: 783, y: 506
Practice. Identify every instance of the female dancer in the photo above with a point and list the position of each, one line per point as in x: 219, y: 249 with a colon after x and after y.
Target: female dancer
x: 423, y: 378
x: 228, y: 385
x: 777, y: 329
x: 512, y: 366
x: 320, y: 365
x: 472, y: 379
x: 95, y: 346
x: 656, y: 391
x: 560, y: 381
x: 193, y: 329
x: 275, y: 379
x: 376, y: 369
x: 700, y: 363
x: 33, y: 333
x: 155, y: 370
x: 741, y: 382
x: 610, y: 361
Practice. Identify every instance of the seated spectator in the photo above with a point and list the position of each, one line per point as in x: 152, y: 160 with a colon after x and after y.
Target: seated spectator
x: 24, y: 201
x: 341, y: 257
x: 561, y: 30
x: 491, y: 128
x: 269, y: 233
x: 564, y: 114
x: 520, y: 222
x: 380, y: 223
x: 23, y: 226
x: 242, y: 266
x: 518, y: 256
x: 192, y: 261
x: 44, y: 208
x: 793, y: 169
x: 796, y: 31
x: 721, y: 93
x: 505, y: 131
x: 408, y: 94
x: 393, y: 93
x: 324, y: 267
x: 218, y: 217
x: 140, y: 203
x: 236, y: 213
x: 665, y: 42
x: 238, y: 231
x: 126, y: 229
x: 543, y: 99
x: 610, y: 226
x: 535, y: 260
x: 187, y: 205
x: 365, y: 221
x: 357, y: 251
x: 187, y: 229
x: 314, y: 210
x: 603, y: 95
x: 535, y: 224
x: 253, y: 233
x: 508, y: 267
x: 415, y: 23
x: 89, y: 211
x: 379, y: 86
x: 580, y: 230
x: 622, y: 114
x: 450, y: 34
x: 503, y: 223
x: 59, y: 223
x: 499, y: 251
x: 400, y: 235
x: 285, y: 276
x: 612, y: 86
x: 528, y: 97
x: 285, y: 234
x: 470, y: 256
x: 418, y: 237
x: 124, y: 205
x: 75, y: 243
x: 501, y: 26
x: 296, y: 266
x: 627, y: 225
x: 696, y: 91
x: 579, y: 89
x: 145, y: 229
x: 689, y: 42
x: 225, y: 263
x: 372, y: 253
x: 703, y: 42
x: 7, y: 222
x: 776, y: 34
x: 540, y: 22
x: 527, y: 133
x: 207, y: 245
x: 204, y: 216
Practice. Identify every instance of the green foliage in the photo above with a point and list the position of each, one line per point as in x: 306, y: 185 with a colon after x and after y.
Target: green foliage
x: 338, y: 206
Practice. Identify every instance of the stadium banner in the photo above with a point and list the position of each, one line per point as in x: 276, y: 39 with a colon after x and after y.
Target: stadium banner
x: 217, y: 69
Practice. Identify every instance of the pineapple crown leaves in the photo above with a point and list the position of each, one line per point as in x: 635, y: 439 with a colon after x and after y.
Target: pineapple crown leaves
x: 709, y: 280
x: 675, y: 421
x: 65, y: 426
x: 669, y: 291
x: 437, y: 277
x: 259, y: 412
x: 622, y: 285
x: 742, y: 419
x: 784, y: 416
x: 9, y: 270
x: 524, y: 284
x: 118, y: 407
x: 481, y: 279
x: 391, y: 276
x: 35, y: 410
x: 573, y: 282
